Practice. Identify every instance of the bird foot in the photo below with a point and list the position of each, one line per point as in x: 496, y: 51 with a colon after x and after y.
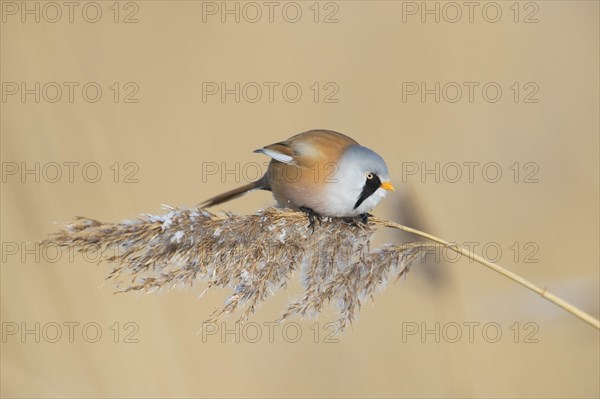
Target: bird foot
x: 312, y: 217
x: 359, y: 220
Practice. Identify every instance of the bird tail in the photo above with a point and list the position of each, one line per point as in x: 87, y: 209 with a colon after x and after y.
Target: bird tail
x: 235, y: 193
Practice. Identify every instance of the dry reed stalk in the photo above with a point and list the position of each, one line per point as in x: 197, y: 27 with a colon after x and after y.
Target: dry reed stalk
x: 255, y: 255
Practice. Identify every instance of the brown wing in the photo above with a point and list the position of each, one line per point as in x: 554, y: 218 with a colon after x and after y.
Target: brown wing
x: 323, y: 136
x: 314, y: 145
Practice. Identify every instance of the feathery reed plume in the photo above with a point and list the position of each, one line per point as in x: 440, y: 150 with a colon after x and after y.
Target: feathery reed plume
x: 255, y: 255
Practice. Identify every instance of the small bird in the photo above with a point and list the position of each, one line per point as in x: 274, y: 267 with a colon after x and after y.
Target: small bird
x: 321, y: 172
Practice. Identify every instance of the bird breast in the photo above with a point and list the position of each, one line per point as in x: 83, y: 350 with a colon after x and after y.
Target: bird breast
x: 322, y: 187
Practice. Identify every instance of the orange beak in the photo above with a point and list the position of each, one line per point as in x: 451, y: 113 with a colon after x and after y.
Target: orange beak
x: 387, y: 186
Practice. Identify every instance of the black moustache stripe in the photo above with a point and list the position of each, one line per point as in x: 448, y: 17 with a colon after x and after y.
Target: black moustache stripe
x: 371, y: 185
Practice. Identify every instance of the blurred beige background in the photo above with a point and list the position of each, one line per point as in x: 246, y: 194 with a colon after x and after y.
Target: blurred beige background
x: 171, y: 56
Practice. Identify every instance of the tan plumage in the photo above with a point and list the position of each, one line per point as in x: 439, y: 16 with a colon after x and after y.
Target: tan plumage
x: 304, y: 172
x: 316, y: 156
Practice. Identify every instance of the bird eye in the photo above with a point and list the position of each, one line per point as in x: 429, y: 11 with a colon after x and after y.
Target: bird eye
x: 369, y: 176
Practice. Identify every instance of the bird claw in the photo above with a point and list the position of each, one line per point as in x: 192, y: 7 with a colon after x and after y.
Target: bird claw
x: 358, y: 221
x: 312, y: 217
x: 364, y: 217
